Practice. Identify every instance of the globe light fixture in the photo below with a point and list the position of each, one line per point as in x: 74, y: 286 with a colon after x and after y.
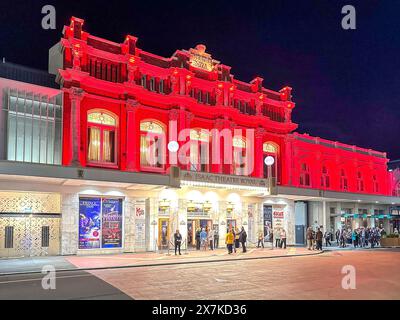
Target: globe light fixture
x: 269, y: 161
x: 173, y: 146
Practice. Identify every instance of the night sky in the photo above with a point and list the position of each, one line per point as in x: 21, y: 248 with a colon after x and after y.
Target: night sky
x: 345, y: 83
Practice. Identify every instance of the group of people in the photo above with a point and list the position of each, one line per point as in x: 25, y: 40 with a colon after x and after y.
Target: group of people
x: 360, y: 237
x: 279, y: 234
x: 315, y: 238
x: 234, y: 238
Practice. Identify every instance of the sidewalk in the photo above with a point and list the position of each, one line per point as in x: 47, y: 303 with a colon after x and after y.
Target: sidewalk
x: 63, y: 263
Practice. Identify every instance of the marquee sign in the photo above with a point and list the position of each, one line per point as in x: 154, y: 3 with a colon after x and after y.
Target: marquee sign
x: 221, y: 179
x: 200, y: 59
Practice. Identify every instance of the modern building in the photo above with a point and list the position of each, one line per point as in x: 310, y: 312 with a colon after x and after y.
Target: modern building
x: 131, y: 146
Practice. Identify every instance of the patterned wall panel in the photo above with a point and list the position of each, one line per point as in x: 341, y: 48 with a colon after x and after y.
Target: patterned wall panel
x: 25, y: 202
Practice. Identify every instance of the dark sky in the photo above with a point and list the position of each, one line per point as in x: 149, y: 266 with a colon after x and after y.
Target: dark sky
x: 346, y: 83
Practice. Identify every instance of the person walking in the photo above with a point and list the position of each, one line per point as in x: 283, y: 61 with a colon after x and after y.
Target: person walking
x: 260, y: 239
x: 203, y: 239
x: 283, y: 238
x: 177, y: 241
x: 337, y: 235
x: 363, y: 234
x: 198, y: 231
x: 318, y: 237
x: 309, y: 237
x: 211, y: 239
x: 327, y: 238
x: 229, y: 239
x: 243, y: 239
x: 277, y: 238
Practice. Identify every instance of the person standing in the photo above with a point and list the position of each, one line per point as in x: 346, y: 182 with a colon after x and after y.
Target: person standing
x: 216, y: 238
x: 277, y: 238
x: 229, y: 239
x: 243, y: 239
x: 337, y: 234
x: 203, y: 239
x: 237, y: 239
x: 362, y: 244
x: 327, y: 238
x: 283, y: 238
x: 319, y: 236
x: 260, y: 239
x: 211, y: 239
x: 177, y: 241
x: 309, y: 236
x: 198, y: 239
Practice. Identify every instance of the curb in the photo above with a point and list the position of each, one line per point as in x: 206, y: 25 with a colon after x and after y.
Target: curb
x: 160, y: 264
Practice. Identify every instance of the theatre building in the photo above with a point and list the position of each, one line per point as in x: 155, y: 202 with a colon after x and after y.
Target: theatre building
x: 124, y: 147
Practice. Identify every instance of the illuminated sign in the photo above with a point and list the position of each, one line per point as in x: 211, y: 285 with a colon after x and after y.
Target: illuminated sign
x: 200, y: 59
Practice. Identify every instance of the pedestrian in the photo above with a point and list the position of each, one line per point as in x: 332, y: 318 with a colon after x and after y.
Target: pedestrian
x: 327, y: 238
x: 229, y: 239
x: 260, y: 239
x: 309, y: 237
x: 354, y: 238
x: 237, y: 239
x: 243, y: 239
x: 198, y: 231
x: 203, y: 239
x: 283, y: 238
x: 337, y: 235
x: 216, y: 238
x: 318, y: 237
x: 363, y: 234
x: 211, y: 239
x: 177, y: 241
x: 277, y: 238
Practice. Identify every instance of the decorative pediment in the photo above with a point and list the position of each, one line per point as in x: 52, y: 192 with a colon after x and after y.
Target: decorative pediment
x: 200, y: 59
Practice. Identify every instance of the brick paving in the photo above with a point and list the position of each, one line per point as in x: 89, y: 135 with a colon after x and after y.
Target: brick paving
x: 307, y: 277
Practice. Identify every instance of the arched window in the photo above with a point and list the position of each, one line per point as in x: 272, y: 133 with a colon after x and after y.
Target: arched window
x: 305, y: 175
x: 239, y: 156
x: 375, y: 184
x: 101, y: 128
x: 360, y: 182
x: 199, y: 150
x: 152, y: 146
x: 270, y: 149
x: 325, y: 180
x: 343, y: 180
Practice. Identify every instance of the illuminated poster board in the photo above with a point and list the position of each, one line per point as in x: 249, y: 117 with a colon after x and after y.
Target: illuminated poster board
x: 267, y: 213
x: 111, y: 223
x: 89, y: 223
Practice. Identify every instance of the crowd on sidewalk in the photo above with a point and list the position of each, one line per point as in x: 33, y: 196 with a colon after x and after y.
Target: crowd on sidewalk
x: 360, y: 237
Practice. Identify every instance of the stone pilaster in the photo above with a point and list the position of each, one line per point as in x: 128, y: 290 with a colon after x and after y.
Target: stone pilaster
x: 69, y: 223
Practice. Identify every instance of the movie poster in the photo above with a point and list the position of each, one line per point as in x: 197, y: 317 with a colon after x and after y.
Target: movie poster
x: 89, y: 223
x: 267, y: 215
x: 112, y: 223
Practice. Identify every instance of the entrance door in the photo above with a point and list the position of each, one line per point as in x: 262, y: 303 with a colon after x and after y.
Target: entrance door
x: 163, y: 233
x: 191, y: 236
x: 231, y: 223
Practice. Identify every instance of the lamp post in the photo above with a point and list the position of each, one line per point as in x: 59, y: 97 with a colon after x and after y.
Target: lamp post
x: 269, y: 161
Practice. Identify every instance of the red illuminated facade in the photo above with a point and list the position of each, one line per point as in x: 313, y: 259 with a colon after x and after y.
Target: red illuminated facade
x: 115, y: 93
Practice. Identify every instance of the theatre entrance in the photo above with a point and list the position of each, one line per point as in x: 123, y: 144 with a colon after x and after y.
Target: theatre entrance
x: 193, y: 225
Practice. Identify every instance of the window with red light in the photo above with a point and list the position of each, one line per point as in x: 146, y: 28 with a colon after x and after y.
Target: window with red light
x: 270, y: 149
x: 199, y: 150
x: 305, y: 175
x: 239, y: 156
x: 152, y: 146
x: 343, y: 180
x: 396, y: 191
x: 101, y: 146
x: 375, y: 184
x: 325, y: 180
x: 360, y: 182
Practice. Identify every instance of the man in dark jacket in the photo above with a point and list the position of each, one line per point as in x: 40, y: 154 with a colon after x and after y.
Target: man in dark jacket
x: 198, y: 238
x: 243, y: 239
x: 177, y: 241
x: 319, y: 236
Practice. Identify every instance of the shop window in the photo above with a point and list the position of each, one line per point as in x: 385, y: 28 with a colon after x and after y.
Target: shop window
x: 305, y: 175
x: 270, y: 149
x: 101, y: 138
x: 152, y: 146
x: 199, y: 150
x: 239, y: 156
x: 360, y: 182
x: 343, y: 180
x: 9, y: 237
x: 325, y: 181
x: 45, y: 236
